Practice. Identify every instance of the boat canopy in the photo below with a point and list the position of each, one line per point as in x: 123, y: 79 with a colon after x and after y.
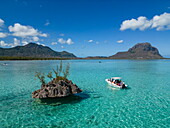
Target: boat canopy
x: 116, y: 78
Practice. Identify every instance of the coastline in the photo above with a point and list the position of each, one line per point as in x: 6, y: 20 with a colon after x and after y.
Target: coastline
x: 86, y: 58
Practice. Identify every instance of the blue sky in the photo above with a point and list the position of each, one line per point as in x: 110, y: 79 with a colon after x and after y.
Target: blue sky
x: 86, y: 27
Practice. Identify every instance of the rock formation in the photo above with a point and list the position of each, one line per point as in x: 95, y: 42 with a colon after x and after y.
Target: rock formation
x: 139, y: 51
x: 56, y: 88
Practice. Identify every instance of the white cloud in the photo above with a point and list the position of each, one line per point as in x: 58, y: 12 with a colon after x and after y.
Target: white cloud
x: 40, y: 44
x: 24, y: 42
x: 141, y: 23
x: 25, y: 31
x: 68, y: 41
x: 35, y: 38
x: 27, y: 40
x: 16, y: 42
x: 120, y: 41
x: 47, y: 23
x: 3, y: 35
x: 43, y: 34
x: 2, y: 43
x: 53, y: 43
x: 61, y: 40
x: 159, y: 22
x: 43, y: 44
x: 62, y: 46
x: 1, y: 22
x: 90, y: 41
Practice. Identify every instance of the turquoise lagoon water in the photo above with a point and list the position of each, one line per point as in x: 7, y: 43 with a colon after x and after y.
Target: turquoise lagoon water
x: 146, y: 104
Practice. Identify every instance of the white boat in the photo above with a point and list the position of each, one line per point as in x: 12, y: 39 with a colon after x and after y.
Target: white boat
x: 116, y: 82
x: 4, y: 64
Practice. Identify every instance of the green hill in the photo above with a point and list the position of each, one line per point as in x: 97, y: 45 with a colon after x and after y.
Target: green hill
x: 34, y: 50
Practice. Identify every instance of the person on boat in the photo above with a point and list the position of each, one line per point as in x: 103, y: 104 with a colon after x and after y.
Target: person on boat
x: 121, y: 83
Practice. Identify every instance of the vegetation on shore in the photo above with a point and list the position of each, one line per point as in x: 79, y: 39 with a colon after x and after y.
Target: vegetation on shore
x: 30, y: 58
x: 87, y: 58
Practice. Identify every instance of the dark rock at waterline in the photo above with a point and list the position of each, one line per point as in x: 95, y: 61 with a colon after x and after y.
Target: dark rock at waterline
x: 56, y: 88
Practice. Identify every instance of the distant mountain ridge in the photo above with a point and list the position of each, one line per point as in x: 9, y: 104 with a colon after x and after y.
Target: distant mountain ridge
x: 34, y: 50
x: 139, y: 51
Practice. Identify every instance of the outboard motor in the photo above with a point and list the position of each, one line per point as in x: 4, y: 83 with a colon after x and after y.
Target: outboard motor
x: 123, y: 86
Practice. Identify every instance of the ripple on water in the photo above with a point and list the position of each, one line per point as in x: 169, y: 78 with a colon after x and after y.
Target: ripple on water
x: 145, y: 104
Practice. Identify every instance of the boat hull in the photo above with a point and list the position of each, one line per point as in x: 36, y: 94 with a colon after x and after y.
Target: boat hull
x: 114, y: 85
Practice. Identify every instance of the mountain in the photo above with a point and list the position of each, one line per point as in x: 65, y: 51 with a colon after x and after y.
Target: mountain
x: 34, y: 50
x: 139, y: 51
